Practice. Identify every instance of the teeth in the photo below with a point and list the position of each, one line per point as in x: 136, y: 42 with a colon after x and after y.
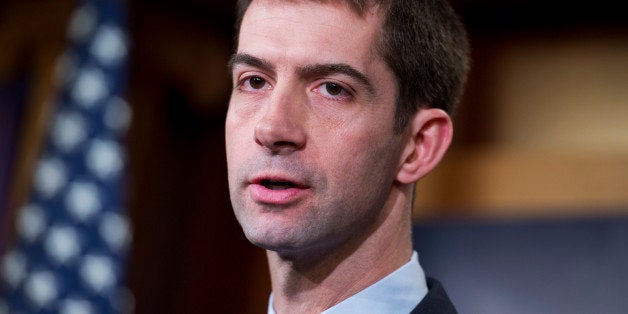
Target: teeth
x: 277, y: 185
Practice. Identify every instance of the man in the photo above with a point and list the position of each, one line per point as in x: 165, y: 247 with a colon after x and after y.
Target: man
x: 338, y: 108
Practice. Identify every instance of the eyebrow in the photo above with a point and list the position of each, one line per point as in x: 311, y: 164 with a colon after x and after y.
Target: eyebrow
x: 342, y: 68
x: 245, y: 58
x: 318, y: 69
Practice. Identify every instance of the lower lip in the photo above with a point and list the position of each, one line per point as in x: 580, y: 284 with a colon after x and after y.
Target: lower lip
x: 265, y: 195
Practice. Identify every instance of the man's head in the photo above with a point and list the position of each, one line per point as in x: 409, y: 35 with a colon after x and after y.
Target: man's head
x: 315, y: 155
x: 423, y: 43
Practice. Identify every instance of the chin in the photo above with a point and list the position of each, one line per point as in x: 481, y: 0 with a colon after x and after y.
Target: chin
x: 275, y: 240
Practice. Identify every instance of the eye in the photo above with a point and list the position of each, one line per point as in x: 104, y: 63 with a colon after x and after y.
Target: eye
x: 334, y: 91
x: 256, y: 82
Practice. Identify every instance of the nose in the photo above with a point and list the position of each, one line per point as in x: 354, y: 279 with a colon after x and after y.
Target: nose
x: 280, y: 129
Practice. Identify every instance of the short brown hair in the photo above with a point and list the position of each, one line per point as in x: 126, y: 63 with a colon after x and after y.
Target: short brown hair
x: 425, y: 45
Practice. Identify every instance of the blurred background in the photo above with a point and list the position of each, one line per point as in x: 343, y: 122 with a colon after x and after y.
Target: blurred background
x: 527, y: 213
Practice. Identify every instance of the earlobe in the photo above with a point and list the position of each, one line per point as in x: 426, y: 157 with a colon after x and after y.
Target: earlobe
x: 431, y: 131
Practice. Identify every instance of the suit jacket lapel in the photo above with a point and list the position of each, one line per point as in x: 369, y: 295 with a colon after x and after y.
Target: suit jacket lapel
x: 436, y: 301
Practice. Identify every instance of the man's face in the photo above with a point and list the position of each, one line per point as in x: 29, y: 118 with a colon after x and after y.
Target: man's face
x: 311, y: 151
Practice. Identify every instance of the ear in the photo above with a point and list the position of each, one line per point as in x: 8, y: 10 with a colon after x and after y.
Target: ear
x: 430, y: 133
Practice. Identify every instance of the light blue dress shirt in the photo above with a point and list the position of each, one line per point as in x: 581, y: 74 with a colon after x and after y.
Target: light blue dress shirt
x: 399, y: 292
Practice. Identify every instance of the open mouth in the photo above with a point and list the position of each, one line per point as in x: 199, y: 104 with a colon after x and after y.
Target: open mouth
x: 277, y: 190
x: 277, y: 185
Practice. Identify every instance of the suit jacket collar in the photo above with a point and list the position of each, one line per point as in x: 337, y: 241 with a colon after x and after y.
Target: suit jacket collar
x: 436, y: 301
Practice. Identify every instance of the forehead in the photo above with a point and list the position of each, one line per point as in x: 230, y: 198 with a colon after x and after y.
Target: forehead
x: 309, y: 30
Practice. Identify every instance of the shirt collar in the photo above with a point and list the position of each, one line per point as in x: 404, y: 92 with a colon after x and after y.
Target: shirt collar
x: 399, y: 292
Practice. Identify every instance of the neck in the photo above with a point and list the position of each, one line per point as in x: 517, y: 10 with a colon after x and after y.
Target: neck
x: 311, y: 283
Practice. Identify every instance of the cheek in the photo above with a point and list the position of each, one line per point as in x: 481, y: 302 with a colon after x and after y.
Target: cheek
x: 230, y: 138
x: 238, y: 123
x: 234, y: 143
x: 361, y: 162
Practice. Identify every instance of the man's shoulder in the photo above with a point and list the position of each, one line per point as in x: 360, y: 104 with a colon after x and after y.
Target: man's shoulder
x: 436, y: 301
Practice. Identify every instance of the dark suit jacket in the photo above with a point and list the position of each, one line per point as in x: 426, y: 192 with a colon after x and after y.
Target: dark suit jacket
x: 436, y: 301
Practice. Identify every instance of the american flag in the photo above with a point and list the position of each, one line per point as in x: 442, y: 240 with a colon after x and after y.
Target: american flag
x: 72, y: 234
